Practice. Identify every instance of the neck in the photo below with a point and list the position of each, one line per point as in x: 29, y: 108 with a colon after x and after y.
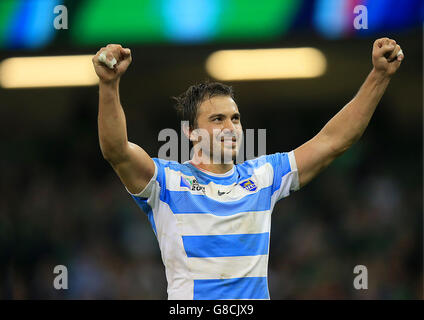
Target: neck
x: 214, y: 168
x: 210, y: 166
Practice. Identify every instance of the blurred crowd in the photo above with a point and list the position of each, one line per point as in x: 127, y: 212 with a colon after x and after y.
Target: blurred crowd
x: 62, y: 204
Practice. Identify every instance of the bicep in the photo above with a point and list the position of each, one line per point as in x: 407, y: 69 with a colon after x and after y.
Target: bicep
x: 314, y: 156
x: 135, y: 169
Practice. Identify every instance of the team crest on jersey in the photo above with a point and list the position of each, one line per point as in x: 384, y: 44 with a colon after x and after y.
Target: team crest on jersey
x: 249, y: 185
x: 191, y: 183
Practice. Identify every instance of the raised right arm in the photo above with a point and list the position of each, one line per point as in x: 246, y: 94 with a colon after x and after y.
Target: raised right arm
x: 132, y: 164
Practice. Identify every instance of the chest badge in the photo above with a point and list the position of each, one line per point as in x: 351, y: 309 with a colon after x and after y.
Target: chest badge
x: 249, y: 185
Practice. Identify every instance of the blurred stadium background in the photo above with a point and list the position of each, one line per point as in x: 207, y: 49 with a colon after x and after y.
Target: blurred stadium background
x: 61, y: 203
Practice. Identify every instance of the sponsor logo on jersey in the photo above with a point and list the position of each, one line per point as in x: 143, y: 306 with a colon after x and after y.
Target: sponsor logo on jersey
x: 185, y: 182
x: 192, y: 184
x: 221, y: 193
x: 249, y: 185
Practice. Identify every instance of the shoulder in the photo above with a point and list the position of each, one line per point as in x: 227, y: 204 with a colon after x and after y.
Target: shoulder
x: 275, y: 162
x: 274, y: 159
x: 168, y: 166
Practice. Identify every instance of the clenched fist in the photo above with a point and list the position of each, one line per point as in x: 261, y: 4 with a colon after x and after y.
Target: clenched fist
x: 112, y: 51
x: 386, y: 56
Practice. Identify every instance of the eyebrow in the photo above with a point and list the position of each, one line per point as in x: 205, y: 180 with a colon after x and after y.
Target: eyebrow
x: 223, y: 115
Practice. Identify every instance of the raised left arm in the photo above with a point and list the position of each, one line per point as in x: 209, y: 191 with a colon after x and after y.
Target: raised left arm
x: 348, y: 125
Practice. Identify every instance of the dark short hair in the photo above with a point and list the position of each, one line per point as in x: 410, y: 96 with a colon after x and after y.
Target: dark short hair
x: 189, y: 101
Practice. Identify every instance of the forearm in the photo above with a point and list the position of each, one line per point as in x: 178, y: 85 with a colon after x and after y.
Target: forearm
x: 111, y: 122
x: 348, y: 125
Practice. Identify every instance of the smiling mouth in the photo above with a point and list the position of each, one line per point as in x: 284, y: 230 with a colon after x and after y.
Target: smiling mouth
x: 233, y: 139
x: 229, y: 143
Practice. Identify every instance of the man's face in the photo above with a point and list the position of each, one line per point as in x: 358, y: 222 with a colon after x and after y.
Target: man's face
x: 219, y: 118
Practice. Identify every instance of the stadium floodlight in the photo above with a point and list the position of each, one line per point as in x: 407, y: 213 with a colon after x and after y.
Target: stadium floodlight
x: 49, y: 71
x: 261, y: 64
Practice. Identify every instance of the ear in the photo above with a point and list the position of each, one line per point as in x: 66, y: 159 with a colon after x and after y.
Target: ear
x: 186, y: 129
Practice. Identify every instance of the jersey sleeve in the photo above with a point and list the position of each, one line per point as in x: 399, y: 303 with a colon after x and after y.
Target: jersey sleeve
x: 149, y: 198
x: 286, y: 177
x: 156, y: 183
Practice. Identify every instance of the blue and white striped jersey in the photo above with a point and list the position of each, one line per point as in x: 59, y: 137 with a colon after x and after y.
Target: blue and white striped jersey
x: 214, y: 229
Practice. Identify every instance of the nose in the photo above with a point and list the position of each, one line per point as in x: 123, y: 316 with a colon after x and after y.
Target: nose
x: 228, y: 126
